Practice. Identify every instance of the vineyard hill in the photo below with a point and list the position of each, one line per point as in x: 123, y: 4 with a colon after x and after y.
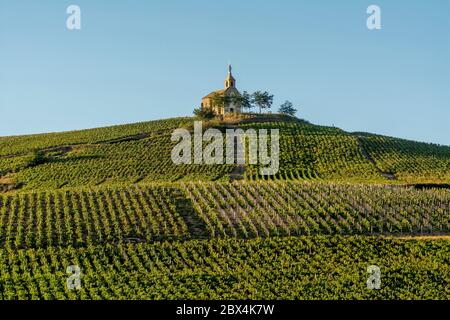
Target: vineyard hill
x: 140, y: 152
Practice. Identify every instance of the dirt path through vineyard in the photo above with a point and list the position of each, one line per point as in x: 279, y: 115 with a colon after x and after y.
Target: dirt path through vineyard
x: 367, y: 155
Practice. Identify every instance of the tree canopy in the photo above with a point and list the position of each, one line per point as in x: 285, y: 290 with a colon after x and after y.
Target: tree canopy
x: 263, y: 100
x: 287, y: 108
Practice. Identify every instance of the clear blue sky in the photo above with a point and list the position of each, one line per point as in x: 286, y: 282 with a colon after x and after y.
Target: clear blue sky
x: 140, y: 60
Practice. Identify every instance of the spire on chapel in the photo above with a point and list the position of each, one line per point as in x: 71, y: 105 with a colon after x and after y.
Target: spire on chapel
x: 230, y: 81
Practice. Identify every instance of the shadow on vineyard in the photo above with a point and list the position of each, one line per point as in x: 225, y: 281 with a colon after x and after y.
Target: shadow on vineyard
x: 431, y: 186
x: 387, y: 175
x: 196, y: 226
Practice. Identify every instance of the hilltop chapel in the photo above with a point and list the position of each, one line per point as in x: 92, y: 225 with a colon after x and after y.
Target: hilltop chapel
x: 230, y: 106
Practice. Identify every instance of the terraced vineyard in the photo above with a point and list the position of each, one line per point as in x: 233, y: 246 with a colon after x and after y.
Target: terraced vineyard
x: 82, y: 218
x: 23, y: 144
x: 286, y: 209
x: 141, y: 152
x: 125, y: 162
x: 127, y: 159
x: 111, y: 201
x: 146, y: 213
x: 278, y: 268
x: 310, y: 152
x: 410, y: 161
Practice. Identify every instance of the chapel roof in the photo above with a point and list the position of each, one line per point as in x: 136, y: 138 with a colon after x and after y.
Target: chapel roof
x: 212, y: 94
x: 221, y: 92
